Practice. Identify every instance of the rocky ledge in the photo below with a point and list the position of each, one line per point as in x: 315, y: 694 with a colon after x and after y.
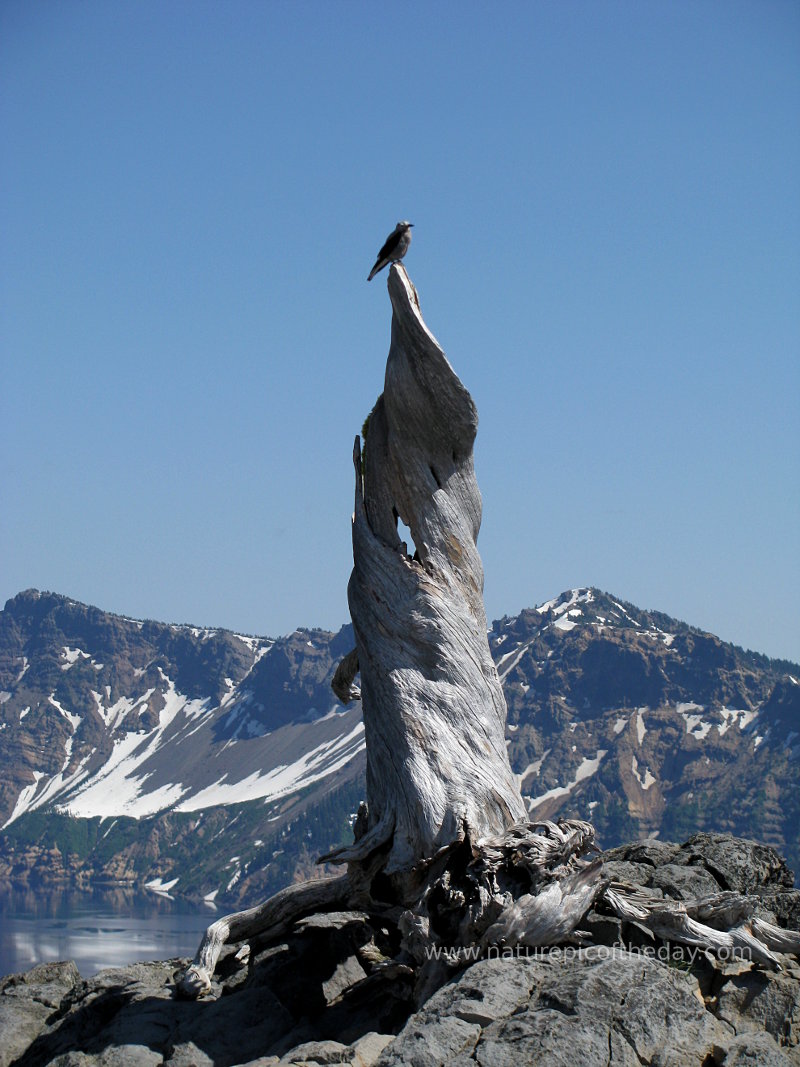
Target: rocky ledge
x: 333, y: 993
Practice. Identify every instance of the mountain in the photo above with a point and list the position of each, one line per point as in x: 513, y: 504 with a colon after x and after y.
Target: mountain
x: 648, y: 726
x: 220, y: 765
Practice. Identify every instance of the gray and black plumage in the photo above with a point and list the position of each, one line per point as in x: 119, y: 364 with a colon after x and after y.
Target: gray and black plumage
x: 394, y: 249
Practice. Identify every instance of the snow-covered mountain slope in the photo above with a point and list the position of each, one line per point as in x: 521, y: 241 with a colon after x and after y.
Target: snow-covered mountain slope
x: 157, y: 739
x: 106, y: 716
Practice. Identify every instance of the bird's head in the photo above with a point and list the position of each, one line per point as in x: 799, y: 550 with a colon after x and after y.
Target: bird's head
x: 405, y: 225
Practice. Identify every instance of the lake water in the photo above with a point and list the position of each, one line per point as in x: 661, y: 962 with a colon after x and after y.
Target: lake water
x: 97, y: 929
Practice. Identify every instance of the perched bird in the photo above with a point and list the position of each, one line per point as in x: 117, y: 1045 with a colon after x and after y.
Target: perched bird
x: 394, y: 249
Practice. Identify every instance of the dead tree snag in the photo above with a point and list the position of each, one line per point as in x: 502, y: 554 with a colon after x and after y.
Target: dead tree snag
x: 443, y: 848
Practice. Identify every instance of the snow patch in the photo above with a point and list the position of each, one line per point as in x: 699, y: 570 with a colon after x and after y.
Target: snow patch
x: 517, y: 657
x: 72, y: 719
x: 62, y: 781
x: 117, y: 789
x: 112, y: 716
x: 24, y: 799
x: 641, y: 729
x: 534, y: 767
x: 695, y: 724
x: 507, y: 655
x: 624, y: 612
x: 71, y: 655
x: 311, y: 767
x: 237, y: 874
x: 587, y: 768
x: 158, y: 886
x: 738, y: 717
x: 576, y: 596
x: 648, y: 779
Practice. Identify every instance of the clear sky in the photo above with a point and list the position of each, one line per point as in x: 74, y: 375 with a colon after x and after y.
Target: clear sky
x: 606, y: 199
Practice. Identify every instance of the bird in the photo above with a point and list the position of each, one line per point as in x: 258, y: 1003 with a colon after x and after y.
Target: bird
x: 395, y: 247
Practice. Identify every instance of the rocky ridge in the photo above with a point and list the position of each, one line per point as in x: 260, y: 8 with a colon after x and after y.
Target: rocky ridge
x: 334, y: 991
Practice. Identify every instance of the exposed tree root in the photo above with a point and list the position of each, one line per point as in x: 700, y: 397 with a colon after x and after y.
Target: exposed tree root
x: 273, y: 917
x: 529, y: 887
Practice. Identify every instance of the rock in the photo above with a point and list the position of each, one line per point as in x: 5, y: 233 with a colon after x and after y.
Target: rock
x: 784, y: 905
x: 429, y: 1039
x: 651, y: 853
x: 737, y: 864
x: 602, y: 929
x: 129, y: 1016
x: 27, y: 1001
x: 368, y: 1048
x: 346, y: 974
x: 756, y: 1050
x: 317, y: 1052
x: 189, y: 1055
x: 762, y: 1001
x: 683, y: 883
x: 625, y: 871
x: 363, y: 1053
x: 135, y: 1056
x: 562, y: 1008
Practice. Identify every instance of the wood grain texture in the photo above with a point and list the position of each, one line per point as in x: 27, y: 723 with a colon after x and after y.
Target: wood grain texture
x: 434, y: 711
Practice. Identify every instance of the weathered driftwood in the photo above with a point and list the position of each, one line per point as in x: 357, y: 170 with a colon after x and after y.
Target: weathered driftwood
x: 434, y: 712
x: 275, y: 915
x: 442, y: 846
x: 723, y: 924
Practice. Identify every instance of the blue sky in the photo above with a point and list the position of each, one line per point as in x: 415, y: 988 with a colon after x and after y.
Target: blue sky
x: 606, y: 243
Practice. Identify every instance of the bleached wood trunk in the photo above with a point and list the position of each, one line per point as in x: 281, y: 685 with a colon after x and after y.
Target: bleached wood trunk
x: 434, y: 711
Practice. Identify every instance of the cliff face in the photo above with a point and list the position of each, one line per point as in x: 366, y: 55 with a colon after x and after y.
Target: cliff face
x: 329, y: 992
x: 127, y: 747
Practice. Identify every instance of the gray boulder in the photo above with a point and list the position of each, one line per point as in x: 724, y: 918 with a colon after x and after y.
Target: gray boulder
x: 756, y: 1050
x: 588, y: 1005
x: 27, y: 1001
x: 735, y: 863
